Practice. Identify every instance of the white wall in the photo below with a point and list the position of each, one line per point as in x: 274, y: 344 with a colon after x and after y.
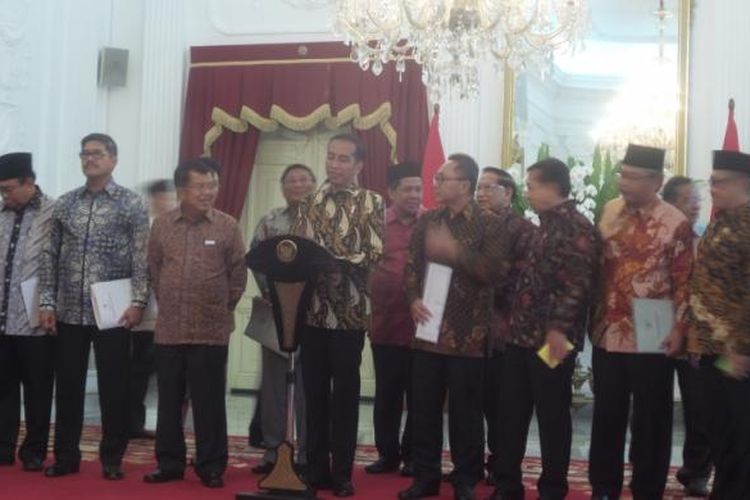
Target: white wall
x: 49, y: 98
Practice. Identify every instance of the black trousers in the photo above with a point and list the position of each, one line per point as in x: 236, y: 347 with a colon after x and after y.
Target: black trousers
x: 112, y: 354
x: 142, y: 366
x: 392, y: 385
x: 203, y: 368
x: 461, y: 378
x: 529, y: 385
x: 696, y: 450
x: 25, y: 361
x: 649, y: 378
x: 330, y: 369
x: 729, y: 430
x: 493, y: 414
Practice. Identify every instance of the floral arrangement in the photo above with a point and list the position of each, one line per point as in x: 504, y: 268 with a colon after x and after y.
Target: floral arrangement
x: 592, y: 186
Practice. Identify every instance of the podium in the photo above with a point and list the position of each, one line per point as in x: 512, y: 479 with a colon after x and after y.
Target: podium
x: 291, y: 265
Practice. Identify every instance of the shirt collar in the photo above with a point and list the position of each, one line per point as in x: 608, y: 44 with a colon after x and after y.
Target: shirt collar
x: 564, y: 209
x: 327, y: 189
x: 644, y: 211
x: 391, y: 217
x: 468, y: 212
x: 176, y: 215
x: 110, y: 188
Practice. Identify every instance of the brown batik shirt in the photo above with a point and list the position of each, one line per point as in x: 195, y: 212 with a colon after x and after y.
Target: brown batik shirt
x: 198, y: 274
x: 485, y: 259
x: 719, y: 313
x: 349, y: 223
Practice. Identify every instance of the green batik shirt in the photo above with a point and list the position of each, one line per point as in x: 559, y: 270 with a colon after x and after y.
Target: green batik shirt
x: 720, y: 286
x: 350, y: 224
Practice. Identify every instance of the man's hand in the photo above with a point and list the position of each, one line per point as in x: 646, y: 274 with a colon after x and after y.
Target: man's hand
x: 48, y: 321
x: 132, y: 317
x: 558, y: 345
x: 739, y: 365
x: 419, y: 312
x: 440, y: 245
x: 674, y: 344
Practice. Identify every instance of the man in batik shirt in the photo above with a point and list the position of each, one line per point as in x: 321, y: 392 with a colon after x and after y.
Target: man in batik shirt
x: 349, y: 222
x: 551, y: 306
x: 475, y: 245
x: 99, y: 233
x: 647, y: 254
x: 696, y: 450
x: 496, y: 191
x: 297, y: 181
x: 720, y: 323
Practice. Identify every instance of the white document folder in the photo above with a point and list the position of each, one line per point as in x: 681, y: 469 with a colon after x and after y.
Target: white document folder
x: 110, y: 300
x: 653, y: 320
x: 30, y: 294
x: 436, y: 285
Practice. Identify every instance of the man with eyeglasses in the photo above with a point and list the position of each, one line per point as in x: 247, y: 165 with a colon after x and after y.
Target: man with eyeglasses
x: 99, y: 233
x: 496, y: 191
x: 26, y: 351
x: 720, y: 323
x: 197, y: 268
x: 297, y: 182
x: 647, y: 254
x: 475, y: 245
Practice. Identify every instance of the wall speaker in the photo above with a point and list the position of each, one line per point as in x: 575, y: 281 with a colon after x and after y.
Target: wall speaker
x: 113, y: 67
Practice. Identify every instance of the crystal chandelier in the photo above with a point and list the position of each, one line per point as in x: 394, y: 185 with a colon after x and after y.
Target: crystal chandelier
x: 644, y: 110
x: 450, y: 39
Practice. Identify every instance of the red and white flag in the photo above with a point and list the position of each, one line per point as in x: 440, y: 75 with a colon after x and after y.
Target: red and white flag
x: 433, y: 160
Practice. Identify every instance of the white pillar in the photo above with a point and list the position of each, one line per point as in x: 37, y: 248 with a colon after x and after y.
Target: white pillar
x: 163, y: 84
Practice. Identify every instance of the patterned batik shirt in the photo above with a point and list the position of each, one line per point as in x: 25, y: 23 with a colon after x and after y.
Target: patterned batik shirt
x: 720, y: 286
x: 554, y: 291
x: 521, y: 234
x: 647, y: 254
x: 485, y: 259
x: 23, y: 234
x: 350, y: 224
x: 95, y: 237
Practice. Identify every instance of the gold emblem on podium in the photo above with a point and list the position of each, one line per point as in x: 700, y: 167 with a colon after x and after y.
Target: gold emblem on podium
x: 286, y: 251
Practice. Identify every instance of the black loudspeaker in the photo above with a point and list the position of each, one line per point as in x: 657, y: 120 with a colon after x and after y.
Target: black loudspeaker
x: 113, y: 67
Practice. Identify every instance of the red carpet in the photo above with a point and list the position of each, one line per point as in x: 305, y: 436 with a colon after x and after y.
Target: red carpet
x: 88, y: 484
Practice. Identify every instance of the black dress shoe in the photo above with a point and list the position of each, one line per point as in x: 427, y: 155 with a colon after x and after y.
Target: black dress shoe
x: 320, y: 483
x: 407, y: 470
x: 345, y: 489
x: 163, y: 476
x: 697, y: 488
x: 420, y: 490
x: 263, y: 468
x: 112, y: 472
x: 33, y: 465
x: 58, y: 470
x: 498, y: 495
x: 212, y: 480
x: 383, y: 465
x: 463, y: 492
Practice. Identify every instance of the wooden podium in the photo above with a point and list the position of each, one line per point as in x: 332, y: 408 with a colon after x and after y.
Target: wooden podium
x: 291, y: 265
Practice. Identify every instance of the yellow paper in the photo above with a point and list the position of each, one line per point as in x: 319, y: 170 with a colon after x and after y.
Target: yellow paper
x: 545, y: 355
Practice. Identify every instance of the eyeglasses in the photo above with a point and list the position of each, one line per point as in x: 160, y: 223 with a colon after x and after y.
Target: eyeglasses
x: 94, y: 155
x: 490, y: 187
x: 440, y: 178
x: 632, y: 177
x: 6, y: 190
x: 204, y: 188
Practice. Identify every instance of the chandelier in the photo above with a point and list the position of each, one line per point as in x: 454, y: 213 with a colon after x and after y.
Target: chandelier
x: 450, y: 39
x: 644, y: 110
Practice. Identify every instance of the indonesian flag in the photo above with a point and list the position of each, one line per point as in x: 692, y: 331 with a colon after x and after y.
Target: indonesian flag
x: 433, y: 159
x: 731, y: 138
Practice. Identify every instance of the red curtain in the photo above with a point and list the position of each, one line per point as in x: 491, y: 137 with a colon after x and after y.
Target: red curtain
x: 233, y: 90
